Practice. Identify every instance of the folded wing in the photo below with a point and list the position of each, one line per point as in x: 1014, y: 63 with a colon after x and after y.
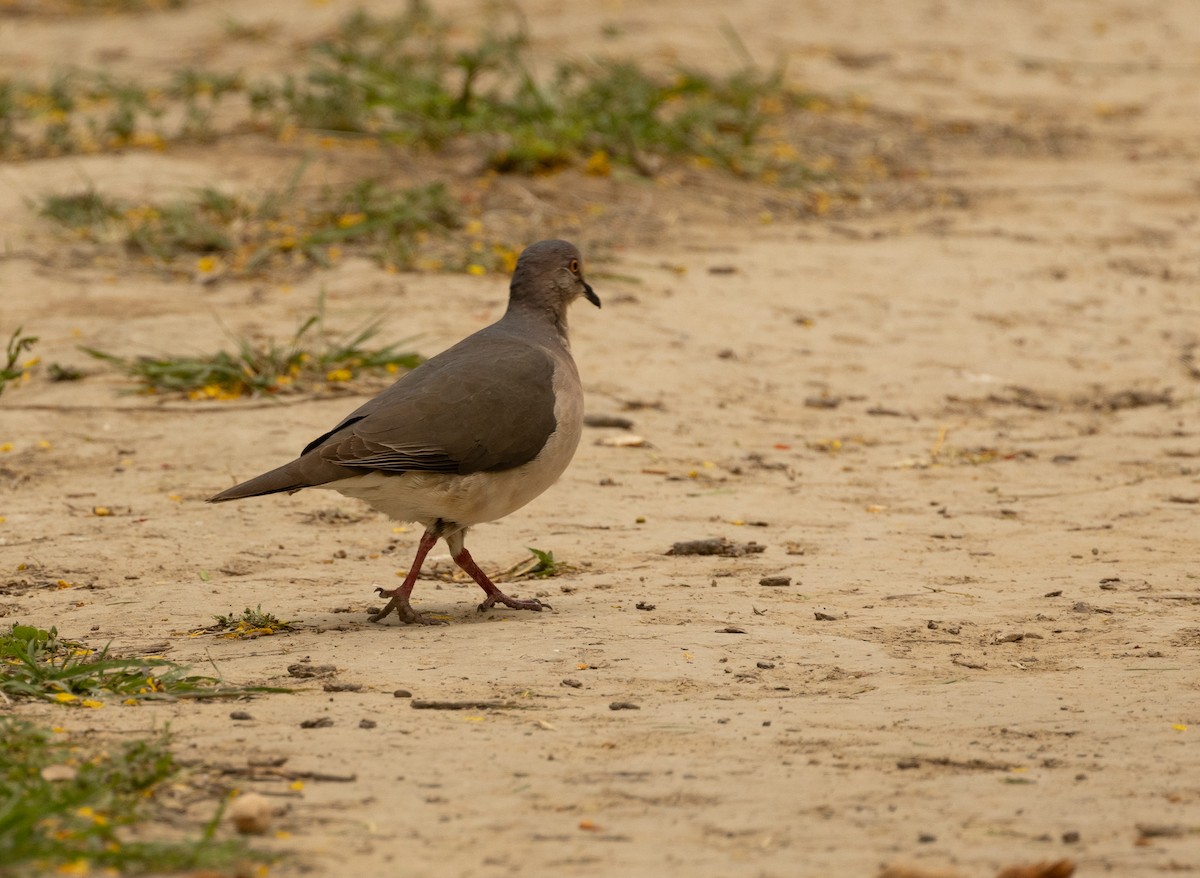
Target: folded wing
x: 484, y: 405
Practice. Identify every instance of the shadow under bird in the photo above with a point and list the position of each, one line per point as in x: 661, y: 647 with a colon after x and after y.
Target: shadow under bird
x: 469, y: 436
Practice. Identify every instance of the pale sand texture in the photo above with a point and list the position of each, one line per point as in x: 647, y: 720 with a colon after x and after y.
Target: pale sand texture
x: 975, y: 683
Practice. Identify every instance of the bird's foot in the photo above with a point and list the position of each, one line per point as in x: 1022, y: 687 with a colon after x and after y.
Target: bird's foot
x: 499, y: 597
x: 403, y: 609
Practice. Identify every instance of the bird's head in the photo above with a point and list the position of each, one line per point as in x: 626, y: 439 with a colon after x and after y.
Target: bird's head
x: 549, y: 274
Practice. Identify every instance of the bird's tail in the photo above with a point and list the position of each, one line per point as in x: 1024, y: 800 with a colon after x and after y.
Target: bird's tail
x: 307, y: 471
x: 284, y: 478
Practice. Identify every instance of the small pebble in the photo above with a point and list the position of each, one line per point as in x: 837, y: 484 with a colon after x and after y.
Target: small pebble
x: 1071, y: 837
x: 574, y: 684
x: 367, y: 723
x: 322, y: 723
x: 624, y: 705
x: 402, y: 693
x: 56, y: 773
x: 240, y: 714
x: 766, y: 666
x: 600, y: 420
x: 926, y: 838
x: 251, y: 814
x: 824, y: 617
x: 822, y: 402
x: 1161, y: 830
x: 775, y: 581
x: 627, y: 440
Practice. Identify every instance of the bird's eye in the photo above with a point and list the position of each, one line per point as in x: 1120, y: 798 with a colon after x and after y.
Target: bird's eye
x: 574, y: 266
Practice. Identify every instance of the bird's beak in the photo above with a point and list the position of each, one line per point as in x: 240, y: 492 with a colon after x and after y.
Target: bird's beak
x: 590, y: 294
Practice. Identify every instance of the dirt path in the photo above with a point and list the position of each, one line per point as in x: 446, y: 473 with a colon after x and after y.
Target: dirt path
x: 967, y: 434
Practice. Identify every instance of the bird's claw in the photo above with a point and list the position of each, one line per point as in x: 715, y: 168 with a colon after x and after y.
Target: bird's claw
x: 501, y: 598
x: 404, y: 611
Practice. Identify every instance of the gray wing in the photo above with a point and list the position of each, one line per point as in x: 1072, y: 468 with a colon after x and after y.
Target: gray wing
x: 484, y: 405
x: 488, y: 407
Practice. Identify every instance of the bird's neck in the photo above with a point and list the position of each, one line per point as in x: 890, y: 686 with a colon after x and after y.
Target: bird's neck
x: 536, y: 318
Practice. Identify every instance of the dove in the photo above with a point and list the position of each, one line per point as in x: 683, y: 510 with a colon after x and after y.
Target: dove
x: 469, y: 436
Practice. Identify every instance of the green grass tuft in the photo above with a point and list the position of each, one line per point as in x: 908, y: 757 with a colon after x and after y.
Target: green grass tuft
x: 304, y: 363
x: 405, y: 80
x: 80, y: 210
x: 38, y: 664
x: 414, y: 79
x: 251, y: 623
x: 211, y: 234
x: 13, y: 369
x: 75, y: 806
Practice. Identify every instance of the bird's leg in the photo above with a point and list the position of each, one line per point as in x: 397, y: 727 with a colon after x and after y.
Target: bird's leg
x: 494, y: 595
x: 399, y: 596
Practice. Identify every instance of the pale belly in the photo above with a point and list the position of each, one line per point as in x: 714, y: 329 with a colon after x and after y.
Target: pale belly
x: 466, y: 500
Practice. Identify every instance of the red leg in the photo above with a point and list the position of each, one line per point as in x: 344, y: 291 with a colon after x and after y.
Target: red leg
x: 494, y: 595
x: 399, y: 596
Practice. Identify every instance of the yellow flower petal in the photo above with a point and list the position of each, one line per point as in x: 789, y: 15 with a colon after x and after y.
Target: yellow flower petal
x: 598, y: 164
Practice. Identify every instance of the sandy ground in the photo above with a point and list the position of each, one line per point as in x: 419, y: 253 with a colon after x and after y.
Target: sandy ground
x: 967, y: 433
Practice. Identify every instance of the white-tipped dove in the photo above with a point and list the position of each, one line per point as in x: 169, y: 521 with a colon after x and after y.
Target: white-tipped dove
x: 468, y: 436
